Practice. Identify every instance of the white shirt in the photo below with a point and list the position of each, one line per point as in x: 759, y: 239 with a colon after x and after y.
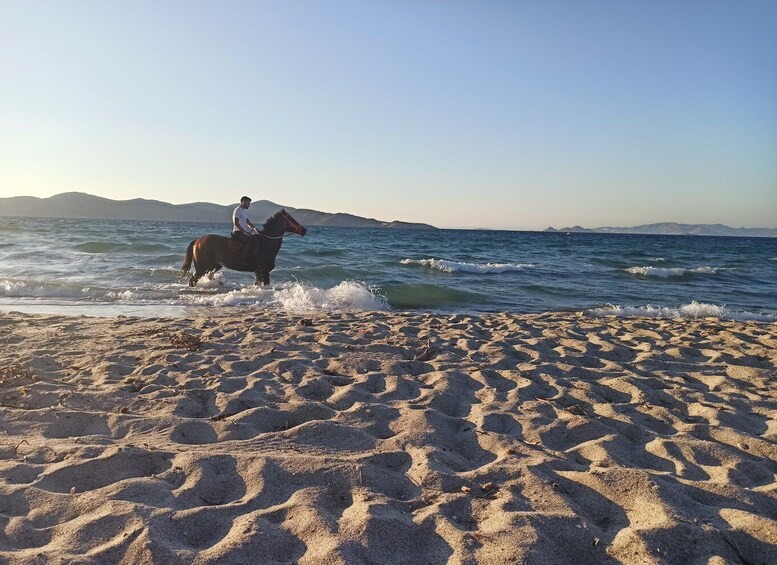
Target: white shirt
x: 241, y: 214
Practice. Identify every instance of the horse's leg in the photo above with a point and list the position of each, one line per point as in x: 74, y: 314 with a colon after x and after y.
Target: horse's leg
x: 215, y: 270
x: 201, y: 272
x: 262, y: 276
x: 198, y: 274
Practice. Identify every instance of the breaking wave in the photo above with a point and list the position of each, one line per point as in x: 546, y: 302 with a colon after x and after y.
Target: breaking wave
x: 692, y: 311
x: 672, y: 272
x: 39, y: 289
x: 294, y: 297
x: 461, y: 267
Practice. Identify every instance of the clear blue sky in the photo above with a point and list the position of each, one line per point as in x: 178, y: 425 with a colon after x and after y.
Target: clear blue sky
x: 499, y: 114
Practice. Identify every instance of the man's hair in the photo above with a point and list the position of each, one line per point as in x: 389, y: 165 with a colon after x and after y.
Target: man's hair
x: 244, y: 198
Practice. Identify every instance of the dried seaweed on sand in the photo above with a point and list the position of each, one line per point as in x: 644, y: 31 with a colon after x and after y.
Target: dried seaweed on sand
x: 186, y: 341
x: 15, y: 375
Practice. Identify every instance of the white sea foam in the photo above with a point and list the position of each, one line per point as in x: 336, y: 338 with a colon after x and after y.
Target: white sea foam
x: 348, y: 295
x: 120, y: 295
x: 211, y: 280
x: 692, y: 311
x: 27, y: 289
x: 296, y: 297
x: 461, y: 267
x: 244, y: 296
x: 672, y: 272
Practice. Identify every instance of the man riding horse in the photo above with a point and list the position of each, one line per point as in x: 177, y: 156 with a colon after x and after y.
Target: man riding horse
x: 253, y: 251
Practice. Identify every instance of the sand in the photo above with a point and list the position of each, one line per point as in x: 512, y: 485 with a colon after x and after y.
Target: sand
x: 263, y: 437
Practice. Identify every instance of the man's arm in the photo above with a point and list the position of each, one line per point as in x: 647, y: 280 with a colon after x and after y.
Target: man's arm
x: 251, y: 225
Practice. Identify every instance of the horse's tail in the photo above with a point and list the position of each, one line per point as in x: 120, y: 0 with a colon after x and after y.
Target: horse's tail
x: 187, y: 261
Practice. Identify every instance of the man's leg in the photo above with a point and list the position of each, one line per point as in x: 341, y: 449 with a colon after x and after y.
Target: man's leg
x: 241, y: 238
x: 246, y: 246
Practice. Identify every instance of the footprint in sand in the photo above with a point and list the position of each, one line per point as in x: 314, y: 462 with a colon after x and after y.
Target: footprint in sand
x: 128, y: 463
x: 198, y: 403
x: 76, y: 424
x: 194, y: 433
x: 210, y: 481
x: 501, y: 424
x: 21, y: 534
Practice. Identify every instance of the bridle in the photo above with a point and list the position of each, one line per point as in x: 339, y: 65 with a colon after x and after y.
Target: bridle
x: 292, y: 225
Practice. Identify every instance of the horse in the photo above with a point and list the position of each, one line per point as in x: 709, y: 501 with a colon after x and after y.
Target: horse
x: 256, y: 254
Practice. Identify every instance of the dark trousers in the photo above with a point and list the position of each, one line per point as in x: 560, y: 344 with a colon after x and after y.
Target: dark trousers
x: 244, y: 251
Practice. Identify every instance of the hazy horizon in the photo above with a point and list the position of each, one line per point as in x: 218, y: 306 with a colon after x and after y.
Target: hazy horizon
x: 466, y: 115
x: 258, y: 215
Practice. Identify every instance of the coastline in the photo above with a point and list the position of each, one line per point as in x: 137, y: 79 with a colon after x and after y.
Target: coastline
x: 387, y: 437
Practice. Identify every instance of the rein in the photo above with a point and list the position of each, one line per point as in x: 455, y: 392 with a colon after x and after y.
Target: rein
x: 286, y: 223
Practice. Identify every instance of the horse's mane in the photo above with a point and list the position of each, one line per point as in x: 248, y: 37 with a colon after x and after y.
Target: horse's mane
x: 271, y: 220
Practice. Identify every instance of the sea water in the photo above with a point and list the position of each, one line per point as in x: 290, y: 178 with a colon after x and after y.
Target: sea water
x: 133, y: 267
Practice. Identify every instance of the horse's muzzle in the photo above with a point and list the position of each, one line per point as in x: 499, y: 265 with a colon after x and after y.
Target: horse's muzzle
x: 302, y: 230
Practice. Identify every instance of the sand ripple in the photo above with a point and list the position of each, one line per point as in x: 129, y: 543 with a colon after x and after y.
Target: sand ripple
x: 387, y: 438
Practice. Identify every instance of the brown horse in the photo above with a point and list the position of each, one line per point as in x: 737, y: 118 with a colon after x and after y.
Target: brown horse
x: 256, y: 254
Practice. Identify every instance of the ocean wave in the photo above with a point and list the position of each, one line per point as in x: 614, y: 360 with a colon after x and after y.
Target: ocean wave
x: 692, y: 311
x: 348, y: 295
x: 672, y: 272
x: 296, y: 297
x: 461, y: 267
x: 211, y: 281
x: 124, y: 295
x: 153, y: 271
x: 549, y: 290
x: 71, y: 291
x: 36, y: 289
x: 429, y: 296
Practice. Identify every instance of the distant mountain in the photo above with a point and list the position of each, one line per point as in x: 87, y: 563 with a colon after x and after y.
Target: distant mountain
x: 671, y: 228
x: 80, y: 205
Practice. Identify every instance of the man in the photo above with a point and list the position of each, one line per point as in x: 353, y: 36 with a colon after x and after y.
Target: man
x: 242, y: 227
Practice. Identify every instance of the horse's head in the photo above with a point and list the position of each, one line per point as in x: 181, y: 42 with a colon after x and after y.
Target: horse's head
x: 292, y: 225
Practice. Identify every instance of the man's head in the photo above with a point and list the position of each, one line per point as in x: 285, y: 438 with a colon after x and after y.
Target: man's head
x: 245, y: 202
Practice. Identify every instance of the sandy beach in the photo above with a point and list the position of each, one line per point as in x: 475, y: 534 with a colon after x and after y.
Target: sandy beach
x: 387, y: 438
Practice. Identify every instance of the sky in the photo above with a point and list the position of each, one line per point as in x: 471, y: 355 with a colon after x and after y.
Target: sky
x: 493, y: 114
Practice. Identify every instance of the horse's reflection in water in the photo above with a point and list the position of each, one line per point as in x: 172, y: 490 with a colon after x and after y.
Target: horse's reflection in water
x: 257, y: 255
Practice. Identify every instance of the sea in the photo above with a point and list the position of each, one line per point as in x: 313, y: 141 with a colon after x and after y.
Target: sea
x: 132, y: 268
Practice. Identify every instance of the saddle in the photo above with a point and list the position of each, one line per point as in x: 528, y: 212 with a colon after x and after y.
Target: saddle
x: 243, y: 248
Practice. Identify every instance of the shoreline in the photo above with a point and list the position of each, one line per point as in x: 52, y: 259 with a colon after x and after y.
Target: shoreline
x: 387, y: 437
x: 686, y: 313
